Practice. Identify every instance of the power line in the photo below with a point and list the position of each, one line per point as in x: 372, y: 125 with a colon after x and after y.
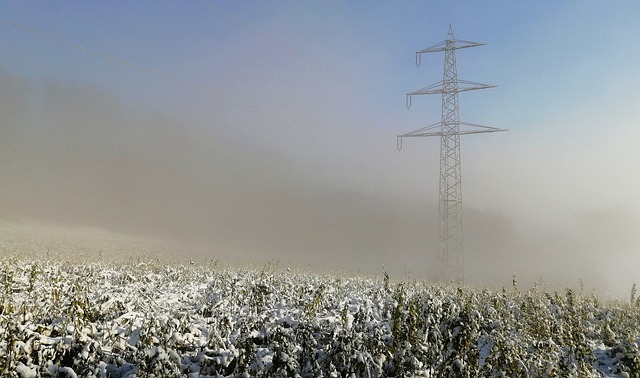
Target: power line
x: 184, y: 83
x: 273, y: 40
x: 359, y: 26
x: 292, y: 50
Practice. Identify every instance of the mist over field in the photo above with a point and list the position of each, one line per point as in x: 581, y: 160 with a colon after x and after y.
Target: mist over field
x: 74, y: 156
x: 265, y: 132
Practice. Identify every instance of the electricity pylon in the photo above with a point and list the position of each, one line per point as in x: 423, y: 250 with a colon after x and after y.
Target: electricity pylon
x: 450, y: 246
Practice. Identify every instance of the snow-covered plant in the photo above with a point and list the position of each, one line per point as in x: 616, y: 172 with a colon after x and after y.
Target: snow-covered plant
x: 148, y: 318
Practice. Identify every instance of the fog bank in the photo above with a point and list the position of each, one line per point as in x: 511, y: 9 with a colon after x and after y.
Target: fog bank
x: 74, y: 156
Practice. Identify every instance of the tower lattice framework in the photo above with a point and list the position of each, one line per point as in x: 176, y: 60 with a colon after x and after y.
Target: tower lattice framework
x: 450, y: 235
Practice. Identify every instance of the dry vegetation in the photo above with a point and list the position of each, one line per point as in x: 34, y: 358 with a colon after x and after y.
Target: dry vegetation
x: 144, y: 317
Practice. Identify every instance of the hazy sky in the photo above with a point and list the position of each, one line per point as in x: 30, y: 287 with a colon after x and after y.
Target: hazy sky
x: 267, y: 129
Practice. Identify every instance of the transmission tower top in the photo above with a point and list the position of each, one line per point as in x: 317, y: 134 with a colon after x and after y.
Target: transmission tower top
x: 449, y: 43
x: 450, y: 251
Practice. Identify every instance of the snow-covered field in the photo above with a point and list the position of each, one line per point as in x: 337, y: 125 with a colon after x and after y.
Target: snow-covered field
x: 95, y: 304
x: 147, y: 317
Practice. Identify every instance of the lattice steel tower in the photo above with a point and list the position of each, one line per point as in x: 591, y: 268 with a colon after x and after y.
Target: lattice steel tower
x: 450, y: 243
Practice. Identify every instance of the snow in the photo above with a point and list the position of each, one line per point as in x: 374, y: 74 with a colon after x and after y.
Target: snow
x: 25, y: 372
x: 145, y: 318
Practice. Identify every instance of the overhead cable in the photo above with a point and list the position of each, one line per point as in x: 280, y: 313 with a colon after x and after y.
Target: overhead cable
x: 292, y: 50
x: 184, y: 83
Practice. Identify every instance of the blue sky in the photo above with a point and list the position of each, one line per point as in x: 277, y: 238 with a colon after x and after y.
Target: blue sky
x: 319, y: 87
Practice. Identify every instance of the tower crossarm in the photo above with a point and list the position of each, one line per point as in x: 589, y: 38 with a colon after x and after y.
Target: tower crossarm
x: 439, y: 88
x: 436, y: 129
x: 455, y: 44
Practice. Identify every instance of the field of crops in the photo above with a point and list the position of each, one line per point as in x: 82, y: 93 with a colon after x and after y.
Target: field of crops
x: 150, y: 318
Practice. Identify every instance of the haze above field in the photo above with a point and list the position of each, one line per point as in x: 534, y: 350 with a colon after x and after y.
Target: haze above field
x: 267, y: 130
